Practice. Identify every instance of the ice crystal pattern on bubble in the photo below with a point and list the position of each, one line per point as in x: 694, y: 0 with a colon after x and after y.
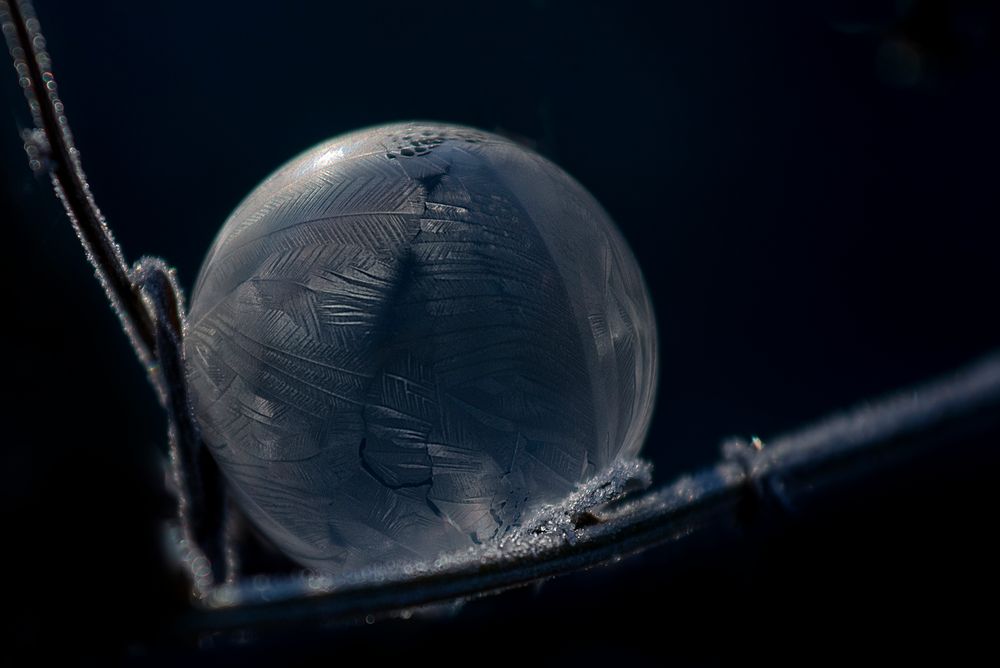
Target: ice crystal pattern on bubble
x: 409, y: 337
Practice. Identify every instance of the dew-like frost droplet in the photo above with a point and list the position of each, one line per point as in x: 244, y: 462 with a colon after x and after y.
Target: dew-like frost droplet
x: 410, y: 338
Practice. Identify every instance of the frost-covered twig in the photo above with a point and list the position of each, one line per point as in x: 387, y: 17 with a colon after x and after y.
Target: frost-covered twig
x: 50, y: 149
x: 146, y: 297
x: 825, y: 458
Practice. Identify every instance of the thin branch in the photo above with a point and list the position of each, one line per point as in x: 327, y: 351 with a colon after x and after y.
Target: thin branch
x: 202, y: 502
x: 825, y: 458
x: 147, y: 298
x: 50, y: 148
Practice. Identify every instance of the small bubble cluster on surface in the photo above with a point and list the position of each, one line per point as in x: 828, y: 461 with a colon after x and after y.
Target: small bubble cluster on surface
x: 416, y: 142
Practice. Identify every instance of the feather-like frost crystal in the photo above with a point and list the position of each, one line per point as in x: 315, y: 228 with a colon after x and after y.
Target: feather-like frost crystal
x: 410, y: 338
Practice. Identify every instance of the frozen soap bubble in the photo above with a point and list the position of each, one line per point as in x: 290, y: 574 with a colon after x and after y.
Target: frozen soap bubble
x: 409, y: 337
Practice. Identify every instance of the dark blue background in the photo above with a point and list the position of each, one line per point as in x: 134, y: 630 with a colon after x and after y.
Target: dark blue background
x: 811, y: 190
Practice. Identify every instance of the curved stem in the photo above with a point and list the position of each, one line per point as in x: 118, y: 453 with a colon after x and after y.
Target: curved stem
x: 751, y: 482
x: 146, y: 298
x: 51, y: 148
x: 202, y: 494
